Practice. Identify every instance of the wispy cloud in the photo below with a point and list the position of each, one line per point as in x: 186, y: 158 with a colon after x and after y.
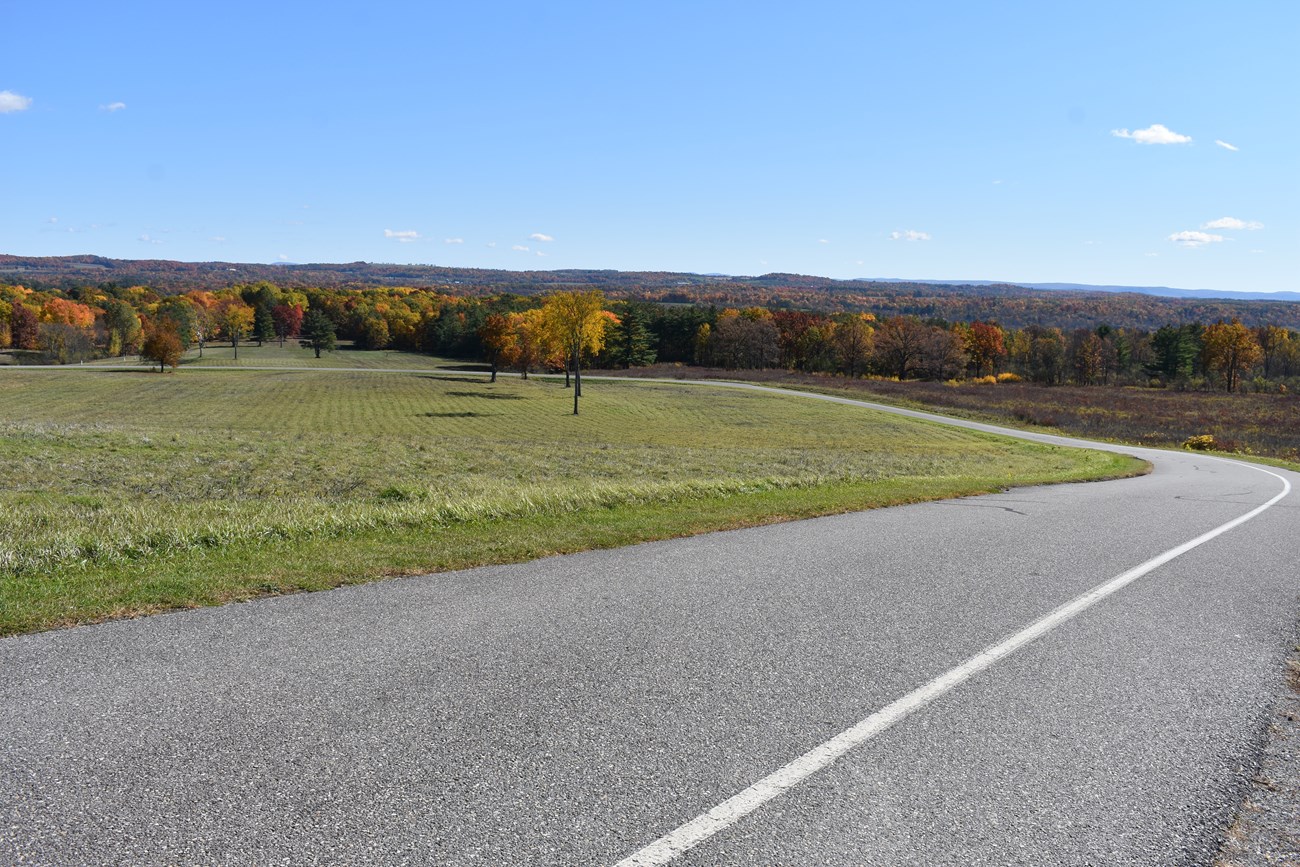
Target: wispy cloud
x: 823, y: 241
x: 1157, y: 133
x: 491, y: 243
x: 538, y: 236
x: 520, y: 247
x: 405, y: 236
x: 1223, y: 144
x: 540, y: 253
x: 149, y: 239
x: 113, y: 106
x: 52, y: 220
x: 10, y: 101
x: 453, y: 240
x: 909, y: 235
x: 220, y: 239
x: 1233, y: 223
x: 1194, y: 239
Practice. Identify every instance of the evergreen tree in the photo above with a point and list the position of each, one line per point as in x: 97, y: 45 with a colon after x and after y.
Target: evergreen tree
x: 263, y: 324
x: 318, y: 332
x: 630, y: 343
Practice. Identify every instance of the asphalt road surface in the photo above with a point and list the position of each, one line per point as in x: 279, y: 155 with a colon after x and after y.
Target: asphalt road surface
x: 576, y: 710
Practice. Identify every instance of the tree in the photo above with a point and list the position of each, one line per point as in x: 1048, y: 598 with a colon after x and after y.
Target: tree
x: 987, y: 347
x: 574, y: 323
x: 318, y: 331
x: 122, y: 327
x: 288, y: 321
x: 1231, y: 349
x: 374, y: 332
x: 629, y: 337
x: 900, y: 344
x: 234, y: 319
x: 1175, y: 349
x: 25, y: 327
x: 852, y: 336
x: 500, y: 341
x: 1273, y: 344
x: 530, y: 339
x: 263, y: 324
x: 163, y: 347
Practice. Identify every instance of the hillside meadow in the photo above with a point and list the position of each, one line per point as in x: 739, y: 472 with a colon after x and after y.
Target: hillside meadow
x: 127, y: 492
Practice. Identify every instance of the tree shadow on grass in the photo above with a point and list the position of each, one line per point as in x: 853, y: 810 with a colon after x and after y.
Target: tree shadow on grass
x: 486, y: 395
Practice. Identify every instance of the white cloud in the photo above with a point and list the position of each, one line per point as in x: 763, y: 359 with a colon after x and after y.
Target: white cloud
x: 1151, y: 255
x: 909, y: 235
x: 822, y: 241
x: 453, y: 240
x: 52, y: 220
x: 405, y: 236
x: 538, y: 236
x: 1157, y: 133
x: 1194, y: 239
x: 10, y: 101
x: 491, y: 243
x: 150, y: 240
x: 520, y: 247
x: 218, y: 238
x: 1232, y: 223
x: 112, y: 107
x: 1224, y: 144
x: 997, y: 182
x: 540, y: 253
x: 282, y: 258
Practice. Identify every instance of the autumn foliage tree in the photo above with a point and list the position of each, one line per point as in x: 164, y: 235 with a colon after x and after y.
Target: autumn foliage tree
x: 163, y: 347
x: 575, y: 323
x: 500, y: 342
x: 288, y: 321
x: 1229, y: 349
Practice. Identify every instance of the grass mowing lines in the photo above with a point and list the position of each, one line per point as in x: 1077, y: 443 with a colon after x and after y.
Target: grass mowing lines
x: 135, y: 492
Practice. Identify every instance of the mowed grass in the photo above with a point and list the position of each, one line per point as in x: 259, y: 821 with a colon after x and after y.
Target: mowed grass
x: 271, y: 354
x: 132, y: 492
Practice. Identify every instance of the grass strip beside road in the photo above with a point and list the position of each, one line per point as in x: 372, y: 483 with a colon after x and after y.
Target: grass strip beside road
x: 132, y: 493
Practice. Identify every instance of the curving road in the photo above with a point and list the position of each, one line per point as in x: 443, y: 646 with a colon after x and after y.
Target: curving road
x: 862, y: 682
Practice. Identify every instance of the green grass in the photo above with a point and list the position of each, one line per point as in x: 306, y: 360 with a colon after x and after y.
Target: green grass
x: 130, y: 492
x: 272, y: 355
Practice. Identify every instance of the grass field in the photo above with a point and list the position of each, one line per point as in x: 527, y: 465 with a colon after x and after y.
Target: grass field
x: 127, y: 492
x: 291, y: 355
x: 1258, y: 425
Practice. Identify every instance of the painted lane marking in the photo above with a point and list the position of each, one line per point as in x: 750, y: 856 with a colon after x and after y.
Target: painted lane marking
x: 678, y: 841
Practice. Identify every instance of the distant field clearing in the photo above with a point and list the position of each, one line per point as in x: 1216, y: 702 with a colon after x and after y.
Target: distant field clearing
x: 132, y: 492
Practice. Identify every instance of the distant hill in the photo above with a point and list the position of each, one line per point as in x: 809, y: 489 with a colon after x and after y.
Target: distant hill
x: 1162, y: 291
x: 1062, y: 305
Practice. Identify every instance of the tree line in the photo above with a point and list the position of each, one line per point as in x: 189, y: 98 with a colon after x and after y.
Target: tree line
x: 527, y: 333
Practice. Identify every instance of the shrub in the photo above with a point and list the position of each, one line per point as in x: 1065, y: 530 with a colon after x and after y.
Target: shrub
x: 1200, y: 443
x: 1008, y: 376
x: 985, y: 380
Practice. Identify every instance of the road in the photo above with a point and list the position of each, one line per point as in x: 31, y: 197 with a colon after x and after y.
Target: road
x: 577, y: 709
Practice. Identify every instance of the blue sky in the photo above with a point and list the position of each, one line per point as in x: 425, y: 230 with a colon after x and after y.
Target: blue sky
x: 936, y: 140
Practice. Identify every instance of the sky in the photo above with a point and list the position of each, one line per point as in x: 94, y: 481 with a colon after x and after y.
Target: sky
x: 1142, y: 144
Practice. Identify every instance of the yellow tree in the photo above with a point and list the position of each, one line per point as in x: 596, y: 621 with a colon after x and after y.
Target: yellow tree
x: 575, y: 323
x: 1230, y: 348
x: 234, y: 319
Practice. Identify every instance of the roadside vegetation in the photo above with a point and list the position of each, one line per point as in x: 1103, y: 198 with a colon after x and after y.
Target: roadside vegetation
x: 128, y: 492
x: 1265, y: 425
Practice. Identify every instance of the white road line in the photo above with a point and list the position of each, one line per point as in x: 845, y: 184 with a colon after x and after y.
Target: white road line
x: 673, y: 844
